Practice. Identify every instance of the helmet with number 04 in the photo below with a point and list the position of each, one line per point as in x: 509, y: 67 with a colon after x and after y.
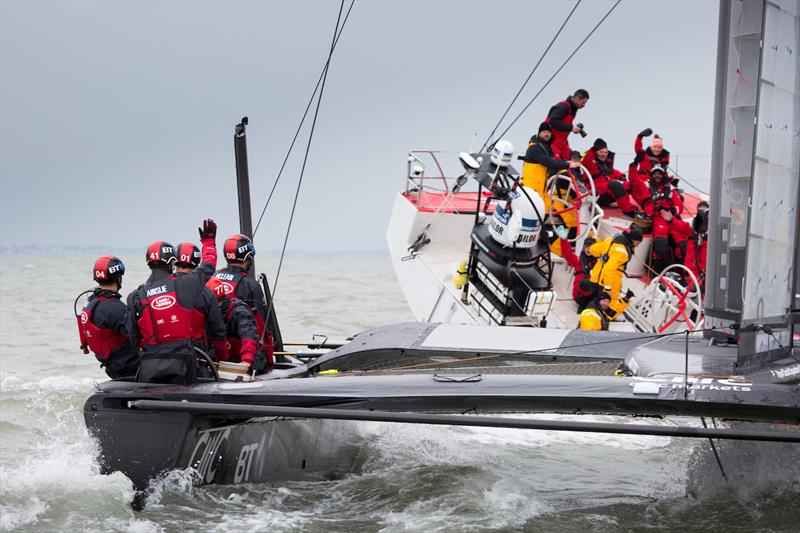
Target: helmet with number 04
x: 188, y: 255
x: 108, y: 269
x: 160, y: 252
x: 238, y: 248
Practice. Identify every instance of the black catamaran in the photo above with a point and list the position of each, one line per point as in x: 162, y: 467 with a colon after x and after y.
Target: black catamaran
x: 741, y: 370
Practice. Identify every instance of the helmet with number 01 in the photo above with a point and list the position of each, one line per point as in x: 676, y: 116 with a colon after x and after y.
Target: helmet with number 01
x: 238, y: 248
x: 188, y: 255
x: 108, y: 269
x: 160, y: 253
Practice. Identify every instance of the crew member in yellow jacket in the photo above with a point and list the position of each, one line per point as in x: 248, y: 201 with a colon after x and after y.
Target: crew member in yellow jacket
x: 538, y: 165
x: 614, y: 253
x: 595, y: 316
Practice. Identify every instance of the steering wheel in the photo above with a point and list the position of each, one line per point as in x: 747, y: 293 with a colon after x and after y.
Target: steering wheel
x: 573, y: 190
x: 688, y: 299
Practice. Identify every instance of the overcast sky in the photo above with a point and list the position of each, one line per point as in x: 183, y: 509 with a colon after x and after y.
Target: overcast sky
x: 116, y: 118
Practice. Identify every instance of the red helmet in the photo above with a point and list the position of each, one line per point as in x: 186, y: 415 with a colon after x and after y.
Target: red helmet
x: 108, y: 269
x: 217, y: 287
x: 238, y: 248
x: 188, y: 255
x: 160, y: 252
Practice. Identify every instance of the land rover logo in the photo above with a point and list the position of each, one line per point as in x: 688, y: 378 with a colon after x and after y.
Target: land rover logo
x: 227, y: 287
x: 84, y: 318
x: 163, y: 302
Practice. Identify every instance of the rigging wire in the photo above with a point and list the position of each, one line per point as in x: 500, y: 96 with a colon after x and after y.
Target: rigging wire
x: 308, y: 147
x: 514, y: 100
x: 559, y: 69
x: 687, y: 182
x: 303, y: 119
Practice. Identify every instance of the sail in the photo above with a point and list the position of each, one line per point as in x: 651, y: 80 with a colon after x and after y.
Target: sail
x: 772, y: 231
x: 753, y: 232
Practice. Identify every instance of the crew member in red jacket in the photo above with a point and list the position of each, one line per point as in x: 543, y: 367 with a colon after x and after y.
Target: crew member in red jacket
x: 561, y: 118
x: 653, y: 155
x: 239, y: 253
x: 609, y: 183
x: 168, y: 317
x: 102, y: 325
x: 241, y: 329
x: 660, y: 201
x: 692, y: 242
x: 584, y: 290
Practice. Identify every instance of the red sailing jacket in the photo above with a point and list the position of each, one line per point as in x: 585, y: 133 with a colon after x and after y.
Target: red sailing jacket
x: 164, y: 319
x: 560, y: 117
x: 646, y: 159
x: 241, y: 331
x: 238, y: 283
x: 599, y: 168
x: 662, y: 197
x: 102, y: 341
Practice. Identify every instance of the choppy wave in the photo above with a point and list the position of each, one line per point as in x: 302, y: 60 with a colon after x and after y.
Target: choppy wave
x: 414, y: 478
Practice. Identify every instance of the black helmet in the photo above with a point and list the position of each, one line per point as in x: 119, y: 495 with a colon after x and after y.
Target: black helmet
x: 188, y: 255
x: 108, y: 269
x: 635, y: 234
x: 238, y: 248
x: 160, y: 253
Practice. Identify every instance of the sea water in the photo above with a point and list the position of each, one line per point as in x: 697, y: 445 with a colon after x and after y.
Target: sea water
x: 413, y: 478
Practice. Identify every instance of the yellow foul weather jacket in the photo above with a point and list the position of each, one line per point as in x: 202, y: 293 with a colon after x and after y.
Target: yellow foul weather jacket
x: 614, y: 254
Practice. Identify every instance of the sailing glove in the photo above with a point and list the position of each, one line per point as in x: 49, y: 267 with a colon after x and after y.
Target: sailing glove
x: 209, y: 229
x: 628, y: 295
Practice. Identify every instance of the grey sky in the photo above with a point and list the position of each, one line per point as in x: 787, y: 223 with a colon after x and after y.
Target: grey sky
x: 117, y: 117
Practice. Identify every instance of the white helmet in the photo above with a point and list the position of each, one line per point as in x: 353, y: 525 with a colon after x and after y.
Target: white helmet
x: 520, y: 225
x: 502, y: 152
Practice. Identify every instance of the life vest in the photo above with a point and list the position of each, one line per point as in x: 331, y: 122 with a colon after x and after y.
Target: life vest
x: 566, y: 120
x: 594, y: 319
x: 605, y: 168
x: 102, y: 341
x: 614, y: 246
x: 660, y: 196
x: 231, y: 279
x: 534, y: 175
x: 661, y: 160
x: 164, y: 319
x: 234, y: 343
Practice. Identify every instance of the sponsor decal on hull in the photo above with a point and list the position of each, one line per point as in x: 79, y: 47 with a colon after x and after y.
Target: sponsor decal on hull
x: 710, y: 384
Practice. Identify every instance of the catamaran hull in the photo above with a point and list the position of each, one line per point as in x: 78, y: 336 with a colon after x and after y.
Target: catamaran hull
x: 145, y: 444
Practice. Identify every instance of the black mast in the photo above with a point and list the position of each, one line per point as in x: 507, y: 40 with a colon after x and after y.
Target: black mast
x: 246, y: 222
x: 243, y: 178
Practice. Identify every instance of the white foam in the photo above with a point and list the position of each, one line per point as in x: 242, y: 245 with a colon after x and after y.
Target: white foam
x: 12, y: 517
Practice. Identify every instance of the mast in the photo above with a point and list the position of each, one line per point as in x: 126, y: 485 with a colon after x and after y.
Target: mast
x: 243, y: 178
x: 246, y: 223
x: 753, y: 229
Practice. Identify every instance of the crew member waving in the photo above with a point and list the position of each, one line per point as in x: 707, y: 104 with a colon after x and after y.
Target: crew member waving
x: 168, y: 317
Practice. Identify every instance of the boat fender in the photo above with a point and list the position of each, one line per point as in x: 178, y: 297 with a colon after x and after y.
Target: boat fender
x: 330, y: 372
x: 459, y: 279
